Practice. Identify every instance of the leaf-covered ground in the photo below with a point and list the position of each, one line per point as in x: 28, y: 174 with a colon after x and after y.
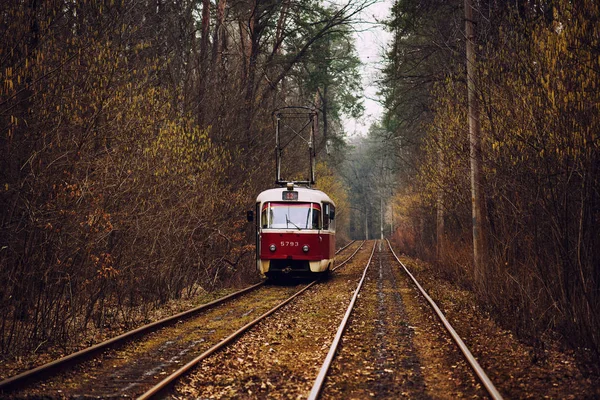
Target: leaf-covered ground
x: 10, y: 366
x: 518, y: 370
x: 132, y: 369
x: 394, y: 347
x: 281, y: 357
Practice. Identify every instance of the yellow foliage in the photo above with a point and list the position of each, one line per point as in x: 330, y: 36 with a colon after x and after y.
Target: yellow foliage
x: 541, y: 107
x: 184, y: 149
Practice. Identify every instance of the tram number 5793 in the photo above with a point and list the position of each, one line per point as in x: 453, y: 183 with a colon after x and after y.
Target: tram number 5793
x: 284, y: 244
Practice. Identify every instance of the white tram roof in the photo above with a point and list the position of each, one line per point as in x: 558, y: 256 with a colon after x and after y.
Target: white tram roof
x: 304, y: 195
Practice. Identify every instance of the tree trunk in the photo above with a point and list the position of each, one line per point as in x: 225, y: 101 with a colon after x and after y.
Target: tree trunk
x: 219, y: 33
x: 325, y: 113
x: 253, y: 51
x: 203, y: 62
x: 475, y: 152
x: 440, y: 227
x: 440, y: 209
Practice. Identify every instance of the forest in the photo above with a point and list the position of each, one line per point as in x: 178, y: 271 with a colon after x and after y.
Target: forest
x: 536, y: 73
x: 135, y: 134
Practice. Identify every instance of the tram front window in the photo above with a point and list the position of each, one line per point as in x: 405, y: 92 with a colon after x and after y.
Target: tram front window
x: 291, y: 216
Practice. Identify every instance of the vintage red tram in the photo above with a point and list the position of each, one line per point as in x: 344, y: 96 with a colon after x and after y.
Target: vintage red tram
x: 295, y: 232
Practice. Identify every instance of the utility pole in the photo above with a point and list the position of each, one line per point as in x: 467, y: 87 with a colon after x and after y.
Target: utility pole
x: 392, y: 217
x: 366, y: 224
x: 475, y: 149
x: 381, y: 216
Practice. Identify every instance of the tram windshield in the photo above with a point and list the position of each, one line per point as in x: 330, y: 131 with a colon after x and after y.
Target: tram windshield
x: 291, y: 216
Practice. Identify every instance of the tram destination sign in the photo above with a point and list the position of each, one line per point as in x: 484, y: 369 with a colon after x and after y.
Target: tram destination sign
x: 289, y: 195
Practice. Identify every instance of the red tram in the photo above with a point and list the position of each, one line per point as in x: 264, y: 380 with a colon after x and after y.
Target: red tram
x: 295, y: 232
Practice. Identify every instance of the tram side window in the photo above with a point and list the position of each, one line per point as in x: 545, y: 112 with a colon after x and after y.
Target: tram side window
x: 264, y: 217
x: 316, y: 218
x: 331, y: 215
x: 326, y: 216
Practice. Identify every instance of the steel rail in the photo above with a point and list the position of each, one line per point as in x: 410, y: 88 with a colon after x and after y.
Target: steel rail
x: 47, y: 369
x: 483, y: 378
x: 344, y: 247
x: 165, y: 383
x: 318, y: 384
x: 170, y: 380
x: 349, y: 258
x: 27, y: 377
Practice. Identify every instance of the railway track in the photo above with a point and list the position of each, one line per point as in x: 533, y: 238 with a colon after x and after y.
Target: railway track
x: 166, y: 383
x: 383, y: 366
x: 129, y: 364
x: 279, y: 357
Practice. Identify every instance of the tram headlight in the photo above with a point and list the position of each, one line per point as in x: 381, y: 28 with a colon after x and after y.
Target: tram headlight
x: 305, y: 248
x: 272, y: 247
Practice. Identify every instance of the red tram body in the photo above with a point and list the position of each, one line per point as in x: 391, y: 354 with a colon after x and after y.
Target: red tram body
x: 295, y: 232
